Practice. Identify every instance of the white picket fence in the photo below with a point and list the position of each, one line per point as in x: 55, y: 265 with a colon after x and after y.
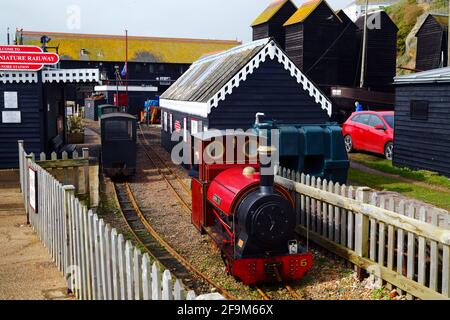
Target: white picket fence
x: 406, y: 246
x: 95, y: 259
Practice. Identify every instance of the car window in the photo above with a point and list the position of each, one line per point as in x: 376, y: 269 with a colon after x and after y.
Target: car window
x: 390, y: 121
x: 375, y: 121
x: 362, y: 118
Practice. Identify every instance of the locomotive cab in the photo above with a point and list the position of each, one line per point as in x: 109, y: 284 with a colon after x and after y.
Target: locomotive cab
x: 249, y: 217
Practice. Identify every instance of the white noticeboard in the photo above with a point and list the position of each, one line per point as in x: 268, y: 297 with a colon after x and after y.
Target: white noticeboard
x: 11, y: 101
x: 11, y: 117
x: 33, y: 189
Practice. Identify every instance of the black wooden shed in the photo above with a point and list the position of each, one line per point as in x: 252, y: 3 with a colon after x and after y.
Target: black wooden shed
x: 432, y: 38
x: 226, y: 90
x: 32, y: 108
x: 381, y: 59
x: 422, y: 121
x: 312, y: 35
x: 270, y: 22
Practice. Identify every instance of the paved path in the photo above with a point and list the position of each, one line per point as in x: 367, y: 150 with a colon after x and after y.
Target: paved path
x: 26, y: 269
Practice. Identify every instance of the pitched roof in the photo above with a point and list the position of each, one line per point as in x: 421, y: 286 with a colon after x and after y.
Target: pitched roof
x: 211, y: 79
x: 430, y: 76
x: 110, y: 48
x: 305, y: 11
x: 270, y: 11
x: 360, y: 22
x: 441, y: 19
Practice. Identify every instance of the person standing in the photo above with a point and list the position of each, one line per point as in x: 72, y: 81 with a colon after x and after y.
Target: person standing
x: 359, y: 106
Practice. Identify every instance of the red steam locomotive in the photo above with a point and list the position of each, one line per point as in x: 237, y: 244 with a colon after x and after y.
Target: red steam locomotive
x: 250, y: 218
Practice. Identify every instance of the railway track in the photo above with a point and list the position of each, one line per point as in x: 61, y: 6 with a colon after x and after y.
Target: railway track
x: 170, y: 176
x: 158, y: 248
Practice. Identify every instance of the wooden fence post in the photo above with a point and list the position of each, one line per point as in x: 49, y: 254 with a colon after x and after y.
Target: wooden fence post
x: 167, y: 293
x: 362, y: 229
x: 178, y: 291
x: 156, y: 283
x: 137, y: 264
x: 115, y: 265
x: 69, y: 192
x: 122, y: 268
x: 86, y: 172
x: 146, y: 278
x: 28, y: 161
x: 20, y: 147
x: 130, y: 270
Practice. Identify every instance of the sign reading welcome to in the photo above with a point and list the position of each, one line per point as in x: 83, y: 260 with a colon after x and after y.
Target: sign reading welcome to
x: 25, y: 58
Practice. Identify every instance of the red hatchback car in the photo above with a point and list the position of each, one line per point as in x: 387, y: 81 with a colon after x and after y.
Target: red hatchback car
x: 370, y: 131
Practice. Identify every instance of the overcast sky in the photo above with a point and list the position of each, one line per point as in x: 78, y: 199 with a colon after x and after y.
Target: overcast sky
x: 211, y: 19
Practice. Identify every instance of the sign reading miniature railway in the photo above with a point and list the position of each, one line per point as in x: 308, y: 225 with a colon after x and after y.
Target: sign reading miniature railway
x: 33, y: 183
x: 25, y: 58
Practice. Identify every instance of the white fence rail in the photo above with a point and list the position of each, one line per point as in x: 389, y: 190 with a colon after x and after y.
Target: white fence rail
x: 97, y: 262
x: 390, y: 239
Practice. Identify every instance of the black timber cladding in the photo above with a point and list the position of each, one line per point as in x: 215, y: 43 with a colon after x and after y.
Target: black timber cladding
x: 31, y: 128
x: 274, y: 26
x: 423, y: 142
x: 318, y: 59
x: 272, y: 91
x: 381, y: 63
x: 432, y: 38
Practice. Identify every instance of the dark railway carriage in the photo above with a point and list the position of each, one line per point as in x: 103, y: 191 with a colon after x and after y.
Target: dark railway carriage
x: 118, y: 133
x: 226, y: 90
x: 270, y: 22
x: 422, y: 121
x: 311, y: 35
x: 432, y: 38
x: 381, y: 61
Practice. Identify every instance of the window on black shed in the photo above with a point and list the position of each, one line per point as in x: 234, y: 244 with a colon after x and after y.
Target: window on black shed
x: 151, y: 68
x: 419, y: 110
x: 119, y: 130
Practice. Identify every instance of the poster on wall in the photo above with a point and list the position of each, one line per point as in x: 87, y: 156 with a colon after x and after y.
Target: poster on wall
x: 11, y: 100
x: 33, y: 188
x: 11, y: 117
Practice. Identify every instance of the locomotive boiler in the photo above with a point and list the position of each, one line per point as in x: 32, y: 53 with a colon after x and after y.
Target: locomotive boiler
x: 250, y: 218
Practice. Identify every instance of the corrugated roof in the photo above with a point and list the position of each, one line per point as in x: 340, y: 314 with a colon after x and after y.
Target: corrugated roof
x: 269, y: 12
x: 140, y: 49
x: 430, y: 76
x: 210, y: 74
x: 305, y: 11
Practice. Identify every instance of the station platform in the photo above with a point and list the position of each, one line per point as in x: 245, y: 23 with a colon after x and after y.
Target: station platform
x: 26, y: 269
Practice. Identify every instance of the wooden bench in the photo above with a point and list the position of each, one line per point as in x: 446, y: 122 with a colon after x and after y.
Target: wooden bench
x: 58, y: 145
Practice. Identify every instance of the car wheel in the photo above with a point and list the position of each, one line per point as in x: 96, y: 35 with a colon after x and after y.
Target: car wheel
x: 348, y: 143
x: 389, y: 151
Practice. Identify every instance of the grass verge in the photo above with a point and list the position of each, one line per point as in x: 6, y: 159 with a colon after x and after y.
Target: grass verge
x: 428, y: 195
x: 386, y: 166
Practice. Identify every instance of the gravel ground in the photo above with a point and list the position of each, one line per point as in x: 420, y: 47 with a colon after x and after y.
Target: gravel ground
x: 328, y: 280
x: 26, y: 269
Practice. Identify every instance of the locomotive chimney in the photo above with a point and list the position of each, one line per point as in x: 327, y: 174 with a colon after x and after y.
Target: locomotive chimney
x: 267, y: 179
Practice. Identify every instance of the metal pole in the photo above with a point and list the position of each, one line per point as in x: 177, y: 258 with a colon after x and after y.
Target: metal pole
x: 126, y: 61
x: 448, y: 39
x: 364, y: 52
x: 8, y: 36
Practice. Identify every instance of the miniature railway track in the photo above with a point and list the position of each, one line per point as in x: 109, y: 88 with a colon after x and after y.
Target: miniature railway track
x: 157, y: 247
x: 173, y: 175
x: 172, y: 179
